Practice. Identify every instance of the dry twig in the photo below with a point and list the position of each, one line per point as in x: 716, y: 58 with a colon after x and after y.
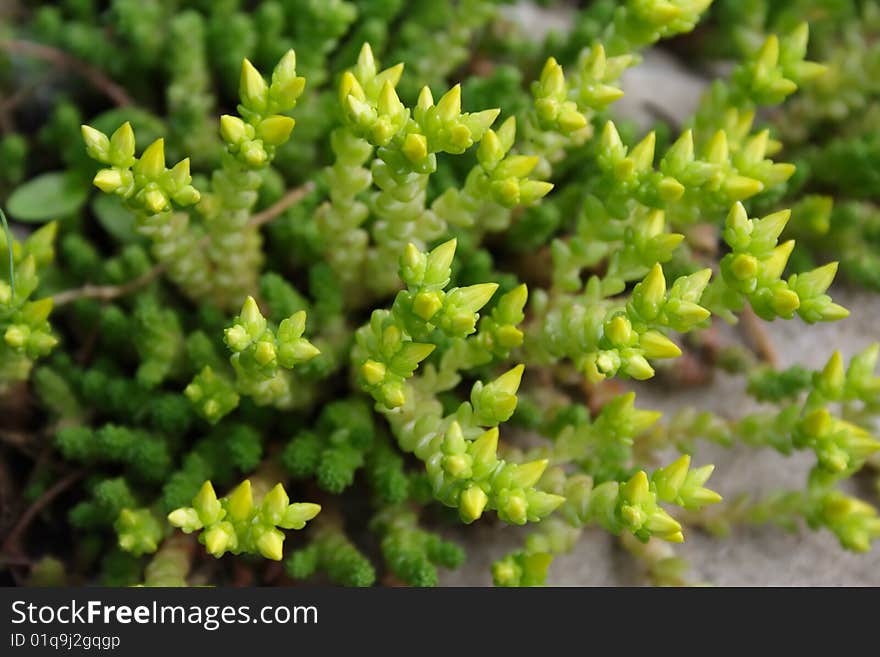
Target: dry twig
x: 65, y: 60
x: 11, y: 544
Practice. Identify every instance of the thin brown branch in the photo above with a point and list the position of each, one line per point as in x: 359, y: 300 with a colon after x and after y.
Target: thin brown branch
x: 15, y: 561
x: 65, y: 60
x: 19, y: 440
x: 21, y: 94
x: 755, y: 331
x: 11, y: 544
x: 290, y: 199
x: 110, y: 292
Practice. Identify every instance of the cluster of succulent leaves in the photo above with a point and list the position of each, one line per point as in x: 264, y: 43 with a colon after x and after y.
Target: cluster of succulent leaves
x: 831, y: 130
x: 471, y: 241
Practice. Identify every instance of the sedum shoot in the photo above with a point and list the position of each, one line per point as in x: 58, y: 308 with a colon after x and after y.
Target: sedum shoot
x: 436, y: 301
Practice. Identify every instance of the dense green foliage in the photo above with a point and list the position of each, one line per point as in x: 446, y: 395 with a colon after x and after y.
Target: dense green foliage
x: 395, y: 258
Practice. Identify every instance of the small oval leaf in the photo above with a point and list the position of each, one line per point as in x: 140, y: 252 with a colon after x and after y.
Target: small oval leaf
x: 53, y: 195
x: 115, y: 218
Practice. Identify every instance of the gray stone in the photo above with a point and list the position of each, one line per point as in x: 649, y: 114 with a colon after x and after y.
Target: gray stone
x: 762, y: 556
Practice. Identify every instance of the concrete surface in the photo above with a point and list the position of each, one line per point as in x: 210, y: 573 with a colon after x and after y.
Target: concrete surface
x: 764, y: 556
